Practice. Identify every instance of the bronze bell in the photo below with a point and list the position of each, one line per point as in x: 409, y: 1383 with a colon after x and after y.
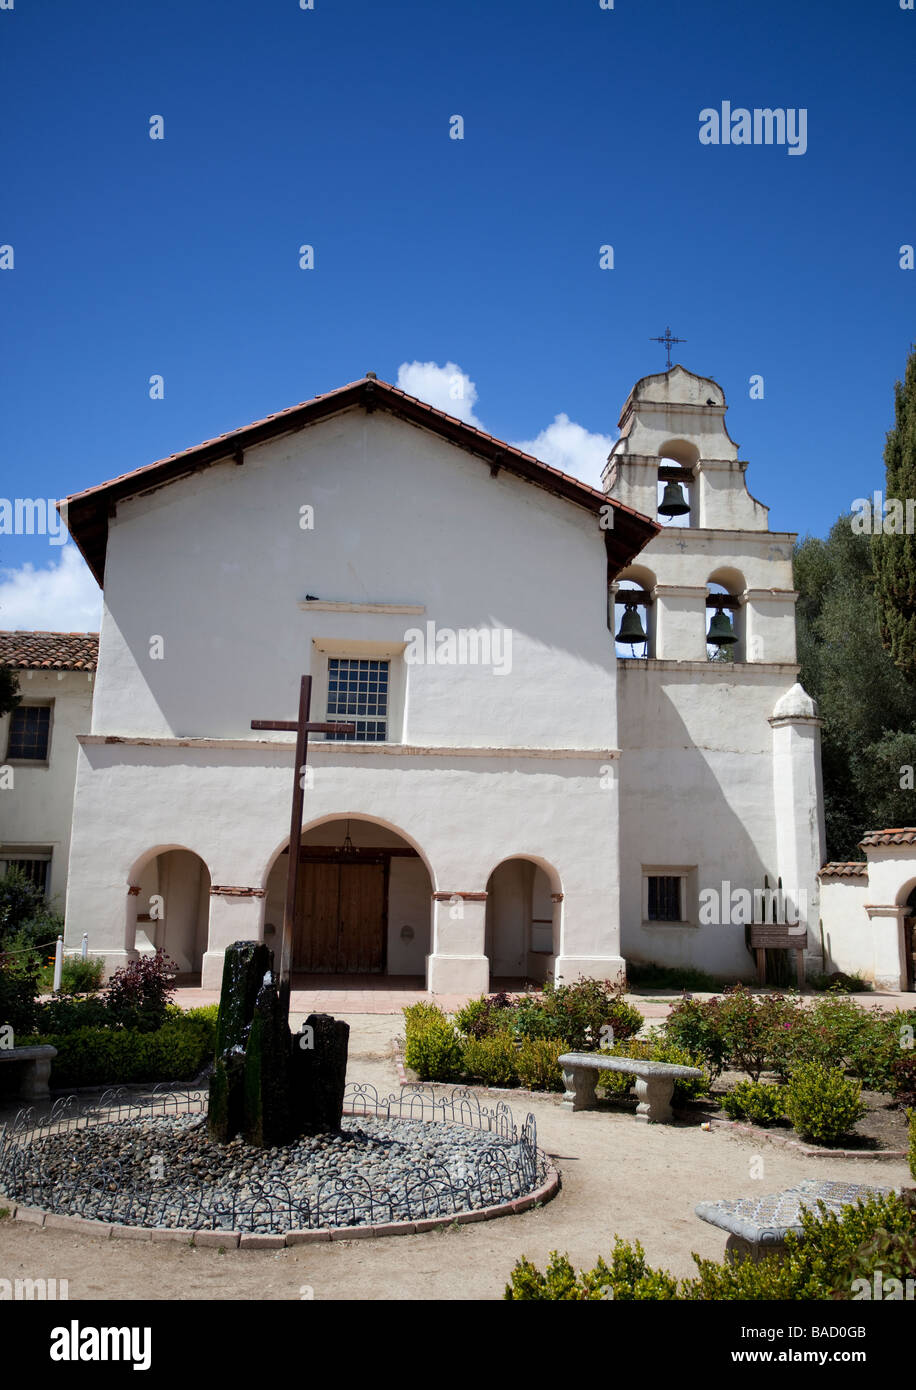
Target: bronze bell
x: 673, y: 502
x: 631, y: 628
x: 721, y: 633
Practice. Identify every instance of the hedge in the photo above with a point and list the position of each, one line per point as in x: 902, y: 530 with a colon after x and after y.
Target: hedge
x: 177, y: 1051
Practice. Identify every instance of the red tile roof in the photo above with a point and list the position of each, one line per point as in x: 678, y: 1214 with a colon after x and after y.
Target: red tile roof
x: 50, y: 651
x: 904, y: 835
x: 850, y: 868
x: 87, y: 512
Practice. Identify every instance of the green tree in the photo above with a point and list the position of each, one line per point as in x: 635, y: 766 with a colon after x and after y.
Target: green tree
x: 9, y: 690
x: 866, y: 702
x: 895, y: 555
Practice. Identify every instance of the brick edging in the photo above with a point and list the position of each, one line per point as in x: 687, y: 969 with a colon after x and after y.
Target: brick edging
x: 250, y: 1240
x: 758, y: 1132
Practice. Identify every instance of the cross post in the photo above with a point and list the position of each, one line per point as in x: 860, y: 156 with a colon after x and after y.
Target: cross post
x: 302, y: 728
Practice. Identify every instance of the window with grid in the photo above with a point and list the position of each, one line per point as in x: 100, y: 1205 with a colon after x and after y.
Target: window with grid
x: 665, y: 897
x: 35, y: 868
x: 358, y: 692
x: 30, y: 728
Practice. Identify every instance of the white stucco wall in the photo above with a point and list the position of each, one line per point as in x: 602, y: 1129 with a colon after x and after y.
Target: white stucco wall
x: 484, y: 766
x: 37, y: 809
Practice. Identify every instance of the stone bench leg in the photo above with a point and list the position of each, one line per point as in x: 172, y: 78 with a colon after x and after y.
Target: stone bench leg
x: 580, y: 1089
x: 654, y: 1096
x: 35, y: 1078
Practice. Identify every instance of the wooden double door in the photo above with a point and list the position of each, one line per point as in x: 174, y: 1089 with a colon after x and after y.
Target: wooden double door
x: 342, y: 917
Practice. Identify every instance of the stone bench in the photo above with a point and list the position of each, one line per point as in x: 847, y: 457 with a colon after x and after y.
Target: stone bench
x: 35, y: 1064
x: 758, y: 1226
x: 654, y: 1082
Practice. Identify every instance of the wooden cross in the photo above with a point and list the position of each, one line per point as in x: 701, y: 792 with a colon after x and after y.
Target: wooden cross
x: 302, y: 728
x: 668, y: 340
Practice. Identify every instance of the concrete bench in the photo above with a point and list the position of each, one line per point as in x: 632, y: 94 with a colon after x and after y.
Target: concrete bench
x: 35, y: 1064
x: 758, y: 1226
x: 654, y: 1082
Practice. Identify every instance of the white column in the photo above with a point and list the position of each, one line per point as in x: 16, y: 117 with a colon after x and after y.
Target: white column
x: 887, y: 940
x: 798, y: 808
x: 236, y: 914
x: 680, y: 622
x: 458, y: 963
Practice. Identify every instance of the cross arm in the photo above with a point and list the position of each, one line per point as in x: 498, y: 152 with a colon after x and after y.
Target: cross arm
x: 291, y: 726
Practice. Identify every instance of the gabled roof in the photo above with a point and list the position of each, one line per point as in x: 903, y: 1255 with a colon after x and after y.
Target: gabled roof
x: 49, y: 651
x: 87, y: 513
x: 844, y: 868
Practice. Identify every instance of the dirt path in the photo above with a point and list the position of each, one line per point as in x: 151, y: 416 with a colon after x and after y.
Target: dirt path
x: 640, y: 1181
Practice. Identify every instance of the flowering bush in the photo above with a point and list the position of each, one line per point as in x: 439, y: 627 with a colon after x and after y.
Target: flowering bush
x: 139, y: 993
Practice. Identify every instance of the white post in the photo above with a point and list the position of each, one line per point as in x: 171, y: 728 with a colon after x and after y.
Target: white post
x: 58, y: 963
x: 84, y: 949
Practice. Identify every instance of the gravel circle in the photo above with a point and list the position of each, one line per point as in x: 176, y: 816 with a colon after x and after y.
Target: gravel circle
x: 166, y: 1172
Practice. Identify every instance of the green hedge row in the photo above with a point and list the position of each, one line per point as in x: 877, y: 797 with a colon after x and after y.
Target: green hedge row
x: 177, y: 1051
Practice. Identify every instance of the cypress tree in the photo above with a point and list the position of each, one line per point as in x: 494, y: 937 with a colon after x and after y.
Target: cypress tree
x: 894, y: 555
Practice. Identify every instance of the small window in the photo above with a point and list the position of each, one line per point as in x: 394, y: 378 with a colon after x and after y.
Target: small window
x: 35, y: 867
x: 666, y: 898
x: 358, y: 693
x: 30, y: 729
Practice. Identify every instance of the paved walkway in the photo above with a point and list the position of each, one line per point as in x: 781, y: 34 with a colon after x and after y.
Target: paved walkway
x: 388, y: 994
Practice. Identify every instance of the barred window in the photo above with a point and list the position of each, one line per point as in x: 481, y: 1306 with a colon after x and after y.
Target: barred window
x: 665, y: 898
x: 34, y: 867
x: 30, y: 729
x: 358, y: 693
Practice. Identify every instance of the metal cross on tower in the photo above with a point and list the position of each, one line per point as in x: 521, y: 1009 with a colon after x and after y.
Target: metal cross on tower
x: 668, y: 340
x: 302, y: 727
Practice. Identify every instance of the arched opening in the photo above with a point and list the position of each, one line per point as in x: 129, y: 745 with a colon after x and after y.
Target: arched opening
x: 907, y: 897
x: 634, y: 597
x: 364, y: 901
x: 172, y: 906
x: 725, y: 616
x: 677, y: 460
x: 521, y: 934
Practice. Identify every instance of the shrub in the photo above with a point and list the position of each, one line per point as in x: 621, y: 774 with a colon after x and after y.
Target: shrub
x: 67, y: 1015
x: 538, y: 1065
x: 481, y: 1018
x: 25, y: 912
x: 652, y: 976
x: 878, y: 1047
x: 492, y: 1060
x: 695, y: 1025
x: 138, y: 994
x: 904, y: 1080
x: 754, y: 1101
x: 912, y: 1119
x: 18, y: 993
x: 80, y: 976
x: 833, y: 1249
x: 432, y: 1047
x: 821, y: 1103
x: 577, y: 1013
x: 839, y: 982
x: 654, y: 1049
x: 176, y: 1051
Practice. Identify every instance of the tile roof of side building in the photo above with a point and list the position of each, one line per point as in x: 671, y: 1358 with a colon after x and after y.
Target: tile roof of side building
x: 49, y: 651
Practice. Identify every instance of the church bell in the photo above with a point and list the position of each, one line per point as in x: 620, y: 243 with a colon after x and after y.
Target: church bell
x: 721, y: 633
x: 631, y: 628
x: 673, y: 502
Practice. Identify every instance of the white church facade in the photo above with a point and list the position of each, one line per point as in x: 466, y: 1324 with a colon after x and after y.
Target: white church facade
x: 520, y: 798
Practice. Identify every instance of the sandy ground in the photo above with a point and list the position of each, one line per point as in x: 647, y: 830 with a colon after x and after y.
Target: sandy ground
x: 640, y: 1181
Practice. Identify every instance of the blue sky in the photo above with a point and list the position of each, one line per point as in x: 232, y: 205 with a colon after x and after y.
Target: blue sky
x: 283, y: 126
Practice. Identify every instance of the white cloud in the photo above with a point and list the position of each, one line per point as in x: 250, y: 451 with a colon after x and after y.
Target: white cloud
x: 62, y: 597
x: 563, y: 444
x: 572, y: 448
x: 447, y: 388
